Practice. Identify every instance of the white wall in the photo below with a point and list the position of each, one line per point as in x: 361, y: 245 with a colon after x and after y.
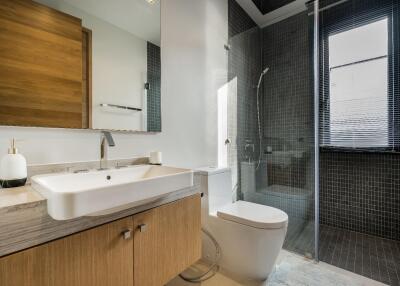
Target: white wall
x: 119, y: 73
x: 194, y: 67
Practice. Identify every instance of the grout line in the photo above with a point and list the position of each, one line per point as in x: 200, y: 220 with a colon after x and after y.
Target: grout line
x: 369, y: 256
x: 348, y: 235
x: 355, y: 251
x: 343, y: 241
x: 386, y: 262
x: 396, y: 245
x: 373, y: 253
x: 379, y: 265
x: 362, y: 255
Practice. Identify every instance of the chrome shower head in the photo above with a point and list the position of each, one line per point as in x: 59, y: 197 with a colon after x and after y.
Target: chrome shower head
x: 261, y: 76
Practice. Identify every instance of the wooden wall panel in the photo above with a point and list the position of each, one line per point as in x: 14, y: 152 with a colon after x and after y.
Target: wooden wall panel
x: 40, y: 66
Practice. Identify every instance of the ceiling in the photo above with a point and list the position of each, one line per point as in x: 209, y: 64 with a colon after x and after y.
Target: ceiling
x: 266, y: 6
x: 137, y: 17
x: 268, y: 12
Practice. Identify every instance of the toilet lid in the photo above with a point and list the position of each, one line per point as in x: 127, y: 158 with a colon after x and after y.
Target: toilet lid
x: 254, y: 215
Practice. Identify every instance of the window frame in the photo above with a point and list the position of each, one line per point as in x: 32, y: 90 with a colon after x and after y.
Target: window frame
x: 347, y: 23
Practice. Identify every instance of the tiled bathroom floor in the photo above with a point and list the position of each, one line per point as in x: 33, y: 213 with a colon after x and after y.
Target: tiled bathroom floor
x: 291, y: 270
x: 367, y: 255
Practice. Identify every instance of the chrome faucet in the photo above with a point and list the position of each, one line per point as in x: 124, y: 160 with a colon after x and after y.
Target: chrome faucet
x: 249, y: 145
x: 106, y: 140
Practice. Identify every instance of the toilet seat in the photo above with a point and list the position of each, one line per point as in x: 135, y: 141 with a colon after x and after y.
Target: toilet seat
x: 254, y: 215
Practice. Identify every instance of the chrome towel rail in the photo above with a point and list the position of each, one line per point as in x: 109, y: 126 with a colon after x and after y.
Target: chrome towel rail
x: 120, y: 106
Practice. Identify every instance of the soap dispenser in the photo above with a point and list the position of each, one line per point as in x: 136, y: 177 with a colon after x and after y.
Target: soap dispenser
x: 13, y: 171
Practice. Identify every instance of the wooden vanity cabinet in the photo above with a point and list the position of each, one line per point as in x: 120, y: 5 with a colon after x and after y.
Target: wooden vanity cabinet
x: 167, y: 240
x: 148, y: 249
x: 96, y: 257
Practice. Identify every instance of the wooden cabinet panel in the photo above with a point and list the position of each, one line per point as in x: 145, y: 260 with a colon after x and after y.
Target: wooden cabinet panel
x: 107, y: 258
x: 55, y: 263
x: 86, y: 78
x: 169, y: 242
x: 40, y: 66
x: 97, y: 257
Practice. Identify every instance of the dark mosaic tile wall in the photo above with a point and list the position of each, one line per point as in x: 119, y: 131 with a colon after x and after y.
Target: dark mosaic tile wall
x: 288, y: 105
x: 154, y: 93
x: 238, y: 20
x: 361, y: 192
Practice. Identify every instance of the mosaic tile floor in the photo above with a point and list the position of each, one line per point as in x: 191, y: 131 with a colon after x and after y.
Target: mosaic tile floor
x: 369, y: 256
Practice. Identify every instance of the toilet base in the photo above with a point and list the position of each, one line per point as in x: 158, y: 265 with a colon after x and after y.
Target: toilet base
x: 241, y: 279
x: 247, y: 253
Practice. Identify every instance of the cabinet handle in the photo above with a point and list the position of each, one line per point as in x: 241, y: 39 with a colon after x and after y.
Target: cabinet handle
x: 142, y: 227
x: 126, y: 234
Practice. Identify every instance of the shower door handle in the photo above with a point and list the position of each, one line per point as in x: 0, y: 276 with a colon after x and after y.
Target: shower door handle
x: 227, y: 141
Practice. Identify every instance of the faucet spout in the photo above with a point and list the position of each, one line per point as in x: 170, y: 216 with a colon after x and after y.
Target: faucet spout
x: 106, y: 140
x: 108, y: 137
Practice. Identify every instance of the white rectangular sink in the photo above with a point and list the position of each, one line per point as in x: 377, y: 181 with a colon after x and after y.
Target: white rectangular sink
x: 72, y: 195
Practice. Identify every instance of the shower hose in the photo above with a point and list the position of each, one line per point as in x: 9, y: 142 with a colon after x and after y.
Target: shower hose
x: 213, y: 269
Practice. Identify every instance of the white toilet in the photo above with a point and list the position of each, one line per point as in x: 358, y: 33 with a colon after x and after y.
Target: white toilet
x: 250, y: 235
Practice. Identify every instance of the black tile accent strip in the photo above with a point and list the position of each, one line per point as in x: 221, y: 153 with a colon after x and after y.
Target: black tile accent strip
x: 154, y: 91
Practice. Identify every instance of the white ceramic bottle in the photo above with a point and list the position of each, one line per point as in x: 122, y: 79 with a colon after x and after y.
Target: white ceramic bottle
x: 155, y: 158
x: 13, y: 171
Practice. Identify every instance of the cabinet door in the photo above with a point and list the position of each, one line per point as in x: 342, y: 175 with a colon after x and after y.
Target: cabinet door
x: 96, y: 257
x: 167, y: 240
x: 107, y: 255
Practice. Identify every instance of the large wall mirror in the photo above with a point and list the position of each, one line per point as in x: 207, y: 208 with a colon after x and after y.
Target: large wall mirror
x: 81, y: 64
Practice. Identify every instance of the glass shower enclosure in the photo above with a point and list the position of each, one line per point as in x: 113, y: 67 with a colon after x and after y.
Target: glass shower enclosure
x: 271, y: 118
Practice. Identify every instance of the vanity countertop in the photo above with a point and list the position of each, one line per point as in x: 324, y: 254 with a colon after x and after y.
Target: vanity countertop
x: 25, y: 223
x: 19, y: 196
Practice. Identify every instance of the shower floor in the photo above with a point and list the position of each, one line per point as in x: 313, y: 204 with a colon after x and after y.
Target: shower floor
x: 300, y: 237
x: 370, y: 256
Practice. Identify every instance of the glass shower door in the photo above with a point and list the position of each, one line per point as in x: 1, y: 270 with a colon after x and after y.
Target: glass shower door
x: 271, y: 118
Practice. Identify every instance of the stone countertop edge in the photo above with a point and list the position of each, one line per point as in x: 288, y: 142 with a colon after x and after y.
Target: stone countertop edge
x: 27, y: 224
x: 21, y: 196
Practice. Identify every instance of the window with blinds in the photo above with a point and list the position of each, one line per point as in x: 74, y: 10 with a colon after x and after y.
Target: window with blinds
x: 359, y: 95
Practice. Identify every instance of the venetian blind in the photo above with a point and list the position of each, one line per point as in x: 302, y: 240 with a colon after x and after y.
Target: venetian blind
x: 359, y: 74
